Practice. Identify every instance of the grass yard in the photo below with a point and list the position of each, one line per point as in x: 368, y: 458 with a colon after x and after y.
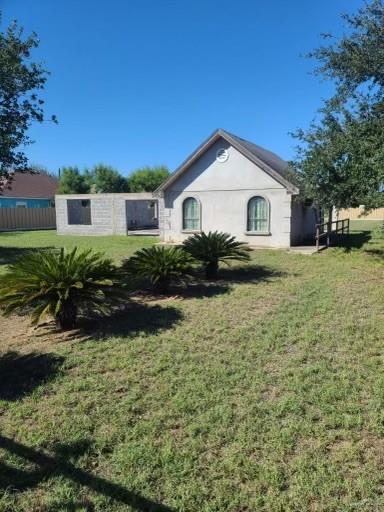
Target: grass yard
x: 261, y: 392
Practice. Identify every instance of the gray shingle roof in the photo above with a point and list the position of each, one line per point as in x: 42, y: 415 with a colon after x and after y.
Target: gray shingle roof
x: 271, y: 159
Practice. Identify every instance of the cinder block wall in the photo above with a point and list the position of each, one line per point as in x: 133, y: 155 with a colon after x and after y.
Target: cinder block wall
x: 108, y: 213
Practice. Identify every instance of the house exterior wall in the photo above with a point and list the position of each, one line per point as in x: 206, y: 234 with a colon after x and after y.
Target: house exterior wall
x: 223, y: 190
x: 13, y: 202
x: 108, y: 213
x: 303, y: 223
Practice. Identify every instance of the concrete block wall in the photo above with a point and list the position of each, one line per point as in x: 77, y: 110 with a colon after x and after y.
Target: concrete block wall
x: 108, y: 213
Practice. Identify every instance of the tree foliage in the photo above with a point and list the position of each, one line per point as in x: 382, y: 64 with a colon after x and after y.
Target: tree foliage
x: 147, y: 179
x: 340, y: 160
x: 215, y: 247
x: 21, y: 80
x: 61, y: 284
x: 160, y: 265
x: 72, y: 181
x: 104, y: 178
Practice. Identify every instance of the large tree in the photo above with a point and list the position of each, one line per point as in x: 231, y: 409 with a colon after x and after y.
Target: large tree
x: 340, y: 160
x: 105, y: 178
x: 147, y: 179
x: 72, y: 181
x: 21, y: 80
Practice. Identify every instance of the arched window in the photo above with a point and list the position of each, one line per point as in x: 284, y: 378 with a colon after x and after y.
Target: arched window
x: 191, y: 214
x: 258, y: 215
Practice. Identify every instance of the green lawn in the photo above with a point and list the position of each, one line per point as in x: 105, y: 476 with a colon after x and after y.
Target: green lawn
x: 14, y: 244
x: 263, y: 392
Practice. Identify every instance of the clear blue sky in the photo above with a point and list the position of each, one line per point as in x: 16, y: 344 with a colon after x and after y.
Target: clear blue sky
x: 143, y: 82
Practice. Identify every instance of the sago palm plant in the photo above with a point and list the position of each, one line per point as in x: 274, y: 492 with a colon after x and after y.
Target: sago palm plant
x: 160, y: 265
x: 60, y: 284
x: 214, y: 247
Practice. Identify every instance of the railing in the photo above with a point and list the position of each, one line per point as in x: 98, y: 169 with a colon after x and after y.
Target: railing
x: 326, y: 230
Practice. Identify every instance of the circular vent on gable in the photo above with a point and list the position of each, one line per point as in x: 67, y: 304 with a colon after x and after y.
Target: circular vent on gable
x: 222, y: 155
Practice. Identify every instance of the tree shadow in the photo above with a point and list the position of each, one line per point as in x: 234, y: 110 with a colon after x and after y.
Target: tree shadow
x: 375, y: 252
x: 10, y: 254
x: 47, y: 466
x: 249, y: 274
x: 200, y: 289
x: 353, y: 240
x: 22, y: 373
x: 133, y: 318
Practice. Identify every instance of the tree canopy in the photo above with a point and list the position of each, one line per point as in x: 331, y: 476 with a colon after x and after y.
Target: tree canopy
x: 104, y: 178
x: 72, y: 181
x: 21, y: 80
x: 147, y: 179
x: 340, y: 159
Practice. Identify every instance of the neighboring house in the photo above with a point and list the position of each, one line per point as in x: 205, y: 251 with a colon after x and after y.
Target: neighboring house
x: 28, y: 190
x: 232, y: 185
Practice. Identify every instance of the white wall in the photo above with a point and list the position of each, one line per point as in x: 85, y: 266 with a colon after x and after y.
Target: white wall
x: 223, y: 190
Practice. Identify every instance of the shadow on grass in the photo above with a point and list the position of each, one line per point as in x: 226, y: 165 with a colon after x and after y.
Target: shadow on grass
x: 20, y: 374
x: 10, y: 254
x: 353, y: 240
x: 201, y: 289
x: 48, y: 466
x: 249, y: 274
x: 134, y: 318
x: 376, y: 252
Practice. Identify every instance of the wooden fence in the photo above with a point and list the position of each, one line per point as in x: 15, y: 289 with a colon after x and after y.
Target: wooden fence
x: 13, y: 219
x: 358, y: 214
x: 326, y: 229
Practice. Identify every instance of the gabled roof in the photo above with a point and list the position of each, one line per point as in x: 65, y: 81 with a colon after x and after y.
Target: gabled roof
x: 29, y: 185
x: 269, y: 162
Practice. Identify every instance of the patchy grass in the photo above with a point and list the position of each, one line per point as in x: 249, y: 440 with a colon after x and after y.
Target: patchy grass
x: 264, y: 392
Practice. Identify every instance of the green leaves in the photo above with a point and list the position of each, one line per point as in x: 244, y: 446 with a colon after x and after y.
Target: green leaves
x: 160, y: 265
x: 20, y: 104
x: 147, y: 179
x: 214, y: 247
x: 61, y: 284
x: 340, y: 159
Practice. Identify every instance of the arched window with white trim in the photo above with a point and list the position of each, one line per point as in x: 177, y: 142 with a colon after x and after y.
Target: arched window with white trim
x: 258, y: 215
x: 191, y: 214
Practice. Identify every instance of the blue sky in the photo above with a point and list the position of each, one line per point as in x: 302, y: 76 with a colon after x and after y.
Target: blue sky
x: 143, y: 82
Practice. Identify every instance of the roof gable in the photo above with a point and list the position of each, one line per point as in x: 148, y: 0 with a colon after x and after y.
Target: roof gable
x: 269, y: 162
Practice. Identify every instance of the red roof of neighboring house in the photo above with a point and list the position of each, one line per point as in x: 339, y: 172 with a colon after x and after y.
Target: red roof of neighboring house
x: 32, y: 185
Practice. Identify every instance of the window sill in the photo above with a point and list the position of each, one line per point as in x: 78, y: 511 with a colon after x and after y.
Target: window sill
x: 190, y: 231
x: 257, y: 233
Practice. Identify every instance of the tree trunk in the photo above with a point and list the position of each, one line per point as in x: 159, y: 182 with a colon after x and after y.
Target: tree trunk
x: 211, y: 270
x: 66, y: 318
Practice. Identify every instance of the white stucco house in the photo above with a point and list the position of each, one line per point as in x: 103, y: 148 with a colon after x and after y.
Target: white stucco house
x: 230, y: 184
x: 227, y: 184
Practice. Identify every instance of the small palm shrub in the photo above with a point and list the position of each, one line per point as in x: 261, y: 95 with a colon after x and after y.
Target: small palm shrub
x: 160, y: 265
x: 214, y: 247
x: 61, y: 284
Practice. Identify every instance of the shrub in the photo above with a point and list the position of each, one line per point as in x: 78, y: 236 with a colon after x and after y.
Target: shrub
x: 213, y: 248
x: 160, y: 265
x: 62, y: 284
